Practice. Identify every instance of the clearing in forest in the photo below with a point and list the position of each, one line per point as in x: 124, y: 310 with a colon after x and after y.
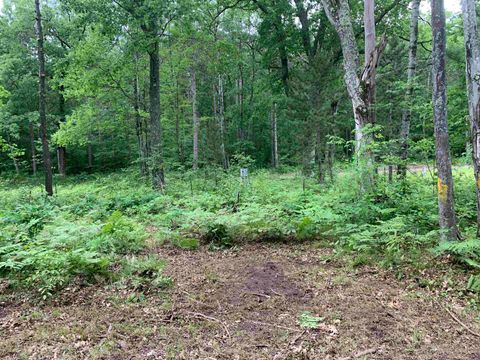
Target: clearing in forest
x: 258, y: 301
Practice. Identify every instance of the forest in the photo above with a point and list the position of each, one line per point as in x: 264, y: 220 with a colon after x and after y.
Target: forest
x: 239, y: 179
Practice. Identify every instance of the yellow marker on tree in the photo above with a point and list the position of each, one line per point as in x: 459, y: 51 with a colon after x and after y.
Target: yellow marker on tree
x: 442, y: 190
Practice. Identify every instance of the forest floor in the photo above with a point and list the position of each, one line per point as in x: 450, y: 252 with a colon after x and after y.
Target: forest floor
x: 248, y: 302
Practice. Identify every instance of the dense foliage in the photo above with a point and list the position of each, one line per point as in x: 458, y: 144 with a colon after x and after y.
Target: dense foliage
x: 97, y: 60
x: 196, y: 90
x: 95, y: 224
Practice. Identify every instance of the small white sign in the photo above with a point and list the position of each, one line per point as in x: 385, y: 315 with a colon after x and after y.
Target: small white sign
x: 243, y: 173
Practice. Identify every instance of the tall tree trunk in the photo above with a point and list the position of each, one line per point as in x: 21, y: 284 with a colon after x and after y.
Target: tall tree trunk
x: 142, y: 150
x: 32, y: 149
x: 195, y: 117
x: 331, y: 161
x: 156, y: 139
x: 17, y: 167
x: 61, y: 150
x: 61, y: 159
x: 446, y: 208
x: 42, y: 103
x: 221, y: 119
x: 472, y: 50
x: 338, y: 13
x: 90, y: 155
x: 318, y: 154
x: 370, y: 44
x: 240, y: 101
x: 274, y: 132
x: 178, y: 135
x: 412, y: 67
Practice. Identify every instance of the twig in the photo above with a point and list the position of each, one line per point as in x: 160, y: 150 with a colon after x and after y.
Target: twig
x: 257, y: 294
x: 365, y: 352
x: 461, y: 323
x: 298, y: 337
x: 360, y: 354
x: 276, y: 293
x: 200, y: 315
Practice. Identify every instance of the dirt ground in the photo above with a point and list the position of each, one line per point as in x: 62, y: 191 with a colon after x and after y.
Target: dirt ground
x: 245, y: 303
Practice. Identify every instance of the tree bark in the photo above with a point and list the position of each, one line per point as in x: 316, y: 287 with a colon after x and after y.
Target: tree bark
x: 472, y: 51
x: 240, y: 104
x: 221, y: 119
x: 412, y: 67
x: 274, y: 133
x: 338, y: 14
x: 42, y: 103
x: 90, y: 156
x: 305, y: 30
x: 178, y: 125
x: 156, y: 136
x: 446, y: 207
x: 360, y: 87
x: 32, y: 149
x: 17, y: 167
x: 370, y: 44
x: 61, y: 159
x: 318, y: 154
x: 142, y: 150
x: 61, y: 150
x: 195, y: 118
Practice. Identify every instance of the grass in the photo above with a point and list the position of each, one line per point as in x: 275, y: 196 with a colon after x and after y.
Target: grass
x: 95, y: 228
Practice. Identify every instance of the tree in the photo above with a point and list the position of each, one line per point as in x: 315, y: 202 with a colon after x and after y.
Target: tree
x: 42, y: 103
x: 195, y: 117
x: 151, y: 29
x: 274, y: 130
x: 446, y: 207
x: 472, y: 51
x: 275, y: 18
x: 360, y: 85
x: 412, y: 67
x: 62, y: 150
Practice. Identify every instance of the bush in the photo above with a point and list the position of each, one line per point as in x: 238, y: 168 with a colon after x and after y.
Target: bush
x: 93, y: 222
x: 120, y: 235
x: 36, y: 254
x: 143, y: 273
x: 187, y: 243
x: 217, y: 237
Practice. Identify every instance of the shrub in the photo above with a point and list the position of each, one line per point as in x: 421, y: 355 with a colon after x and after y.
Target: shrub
x: 467, y: 251
x: 120, y: 235
x: 217, y: 237
x: 187, y: 243
x: 143, y: 273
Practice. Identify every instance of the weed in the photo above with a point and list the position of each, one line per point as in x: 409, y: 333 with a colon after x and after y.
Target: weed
x: 308, y: 321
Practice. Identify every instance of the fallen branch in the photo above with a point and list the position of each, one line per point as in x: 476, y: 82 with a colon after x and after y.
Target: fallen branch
x: 365, y: 352
x: 276, y: 293
x: 257, y: 294
x: 461, y: 323
x: 298, y: 337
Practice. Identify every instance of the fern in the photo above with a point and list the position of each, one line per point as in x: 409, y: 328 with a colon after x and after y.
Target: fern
x: 467, y: 251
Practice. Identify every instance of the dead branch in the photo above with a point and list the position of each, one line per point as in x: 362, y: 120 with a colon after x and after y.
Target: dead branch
x: 461, y: 323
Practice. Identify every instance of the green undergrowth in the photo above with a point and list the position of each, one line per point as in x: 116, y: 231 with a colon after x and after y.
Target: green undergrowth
x: 95, y: 227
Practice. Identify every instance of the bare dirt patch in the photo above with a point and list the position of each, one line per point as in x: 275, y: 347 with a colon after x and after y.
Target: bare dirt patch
x: 246, y: 303
x: 269, y: 279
